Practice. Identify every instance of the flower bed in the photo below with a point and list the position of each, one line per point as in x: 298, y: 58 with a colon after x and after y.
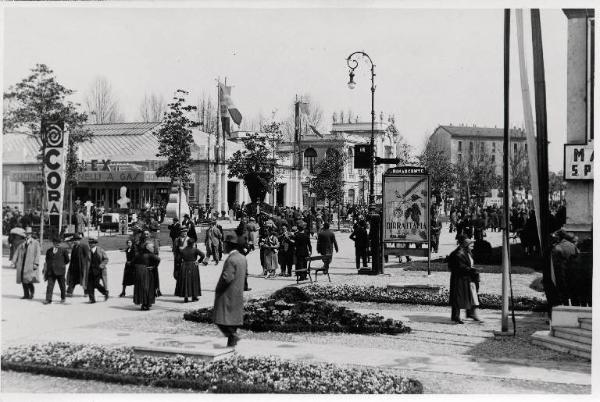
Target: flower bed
x: 375, y: 294
x: 232, y: 375
x: 305, y: 316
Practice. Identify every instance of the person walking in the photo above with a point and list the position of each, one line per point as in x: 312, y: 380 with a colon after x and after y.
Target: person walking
x: 436, y: 229
x: 144, y: 289
x: 79, y: 266
x: 228, y: 311
x: 98, y: 262
x: 325, y: 244
x: 129, y: 269
x: 188, y: 277
x: 57, y: 259
x: 361, y: 243
x: 26, y: 260
x: 462, y: 281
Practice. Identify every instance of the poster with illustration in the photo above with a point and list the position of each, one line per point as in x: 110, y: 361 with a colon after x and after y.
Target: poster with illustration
x: 405, y: 209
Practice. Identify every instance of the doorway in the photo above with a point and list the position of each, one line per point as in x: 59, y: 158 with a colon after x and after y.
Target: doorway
x: 232, y: 193
x: 280, y: 194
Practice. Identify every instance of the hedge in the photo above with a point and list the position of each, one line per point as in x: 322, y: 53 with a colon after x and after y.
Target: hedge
x: 305, y: 316
x: 231, y: 375
x: 376, y: 294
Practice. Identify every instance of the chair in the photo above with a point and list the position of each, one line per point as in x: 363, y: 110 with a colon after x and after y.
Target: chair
x: 317, y: 270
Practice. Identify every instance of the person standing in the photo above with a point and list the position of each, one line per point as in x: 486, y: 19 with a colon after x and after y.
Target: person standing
x: 462, y: 284
x: 303, y: 248
x: 286, y: 251
x: 564, y: 254
x: 16, y: 236
x: 98, y: 262
x: 26, y: 260
x: 188, y: 277
x: 144, y: 289
x: 213, y: 241
x: 361, y: 243
x: 54, y: 270
x: 191, y: 228
x: 174, y: 230
x: 270, y: 245
x: 228, y: 312
x: 252, y: 229
x: 436, y: 228
x: 129, y: 269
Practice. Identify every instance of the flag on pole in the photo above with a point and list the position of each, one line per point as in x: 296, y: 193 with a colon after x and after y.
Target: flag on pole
x: 227, y: 106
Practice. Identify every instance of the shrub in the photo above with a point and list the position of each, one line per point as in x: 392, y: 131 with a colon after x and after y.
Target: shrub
x: 312, y: 316
x: 291, y: 294
x: 412, y: 296
x: 236, y: 374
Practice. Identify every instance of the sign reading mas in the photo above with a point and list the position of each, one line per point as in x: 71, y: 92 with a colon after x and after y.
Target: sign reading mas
x: 579, y: 161
x: 406, y: 208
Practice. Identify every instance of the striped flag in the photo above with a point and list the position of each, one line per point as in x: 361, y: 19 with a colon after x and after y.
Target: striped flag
x: 227, y: 106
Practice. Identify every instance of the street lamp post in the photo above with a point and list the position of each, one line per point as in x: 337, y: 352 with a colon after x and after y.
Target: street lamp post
x: 352, y: 62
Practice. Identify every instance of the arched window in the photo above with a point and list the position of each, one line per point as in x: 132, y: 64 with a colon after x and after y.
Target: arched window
x: 310, y: 158
x: 351, y: 196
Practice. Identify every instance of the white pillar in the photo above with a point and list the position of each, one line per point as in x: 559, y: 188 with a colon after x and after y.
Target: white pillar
x: 224, y: 206
x: 217, y: 203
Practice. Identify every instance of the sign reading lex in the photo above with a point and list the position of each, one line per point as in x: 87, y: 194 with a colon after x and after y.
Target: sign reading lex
x: 579, y: 161
x: 55, y: 142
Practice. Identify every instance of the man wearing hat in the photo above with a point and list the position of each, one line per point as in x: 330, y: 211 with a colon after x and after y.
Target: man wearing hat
x: 15, y: 238
x: 57, y: 259
x: 98, y: 262
x: 228, y: 312
x: 213, y: 240
x: 463, y: 293
x: 191, y: 233
x: 80, y: 264
x: 27, y: 259
x: 174, y: 230
x: 564, y: 255
x: 303, y: 248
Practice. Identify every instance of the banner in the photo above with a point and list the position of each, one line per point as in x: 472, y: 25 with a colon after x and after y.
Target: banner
x: 227, y: 106
x: 406, y: 209
x: 55, y: 142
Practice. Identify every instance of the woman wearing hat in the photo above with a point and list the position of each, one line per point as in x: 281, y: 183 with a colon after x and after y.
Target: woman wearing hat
x: 270, y: 245
x: 463, y: 293
x: 27, y: 259
x: 188, y: 277
x: 144, y: 290
x: 129, y: 270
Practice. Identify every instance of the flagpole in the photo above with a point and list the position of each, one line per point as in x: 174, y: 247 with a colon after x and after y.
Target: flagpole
x: 218, y: 156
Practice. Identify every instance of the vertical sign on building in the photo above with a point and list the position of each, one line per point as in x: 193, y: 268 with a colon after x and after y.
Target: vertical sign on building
x: 55, y: 144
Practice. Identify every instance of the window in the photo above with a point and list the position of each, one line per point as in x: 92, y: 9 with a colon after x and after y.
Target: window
x: 494, y: 146
x: 350, y: 162
x: 471, y: 146
x: 388, y: 151
x: 525, y: 147
x: 459, y: 158
x: 515, y: 148
x: 471, y: 157
x: 481, y: 148
x: 459, y: 146
x: 192, y: 192
x: 493, y: 158
x: 310, y: 159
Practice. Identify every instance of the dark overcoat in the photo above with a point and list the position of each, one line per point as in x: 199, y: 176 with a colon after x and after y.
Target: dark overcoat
x: 326, y: 242
x: 229, y: 293
x: 303, y: 246
x: 461, y: 273
x: 56, y: 263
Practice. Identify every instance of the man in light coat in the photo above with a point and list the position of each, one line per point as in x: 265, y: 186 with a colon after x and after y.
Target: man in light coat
x: 228, y: 312
x: 213, y: 241
x: 27, y: 260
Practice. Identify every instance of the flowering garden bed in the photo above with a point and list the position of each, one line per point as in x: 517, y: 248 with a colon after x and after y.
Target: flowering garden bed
x: 376, y: 294
x: 305, y: 316
x: 231, y: 375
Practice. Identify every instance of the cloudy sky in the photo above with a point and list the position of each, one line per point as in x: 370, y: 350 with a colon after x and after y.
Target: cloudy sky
x: 433, y: 66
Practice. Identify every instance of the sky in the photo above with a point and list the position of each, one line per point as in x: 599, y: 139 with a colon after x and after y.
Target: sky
x: 433, y: 66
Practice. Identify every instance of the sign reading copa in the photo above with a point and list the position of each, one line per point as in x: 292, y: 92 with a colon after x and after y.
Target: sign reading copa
x: 55, y: 142
x: 579, y: 161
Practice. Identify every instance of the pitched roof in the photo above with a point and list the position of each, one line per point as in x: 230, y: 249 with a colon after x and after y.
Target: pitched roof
x: 121, y: 128
x: 488, y: 132
x: 20, y: 148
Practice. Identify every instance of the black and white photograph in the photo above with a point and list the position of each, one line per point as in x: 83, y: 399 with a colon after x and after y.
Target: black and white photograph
x: 260, y: 197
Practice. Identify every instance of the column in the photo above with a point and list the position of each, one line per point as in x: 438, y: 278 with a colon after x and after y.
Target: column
x: 224, y: 206
x: 217, y: 202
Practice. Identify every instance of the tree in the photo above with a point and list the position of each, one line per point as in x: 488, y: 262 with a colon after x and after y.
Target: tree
x: 328, y: 182
x: 255, y: 165
x: 152, y: 108
x: 175, y: 140
x: 101, y: 103
x: 519, y: 169
x: 556, y: 183
x: 314, y: 117
x: 442, y: 171
x: 207, y: 114
x: 40, y: 97
x: 477, y: 176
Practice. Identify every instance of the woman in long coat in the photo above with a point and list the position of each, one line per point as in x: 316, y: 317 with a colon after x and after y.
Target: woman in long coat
x: 462, y: 296
x: 271, y: 245
x: 188, y: 277
x: 26, y: 260
x: 144, y: 290
x: 129, y: 269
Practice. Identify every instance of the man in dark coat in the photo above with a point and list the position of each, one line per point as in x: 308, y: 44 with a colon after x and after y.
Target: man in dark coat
x: 79, y: 266
x: 303, y: 247
x: 325, y: 245
x: 462, y: 281
x: 191, y: 228
x: 564, y: 255
x: 229, y: 294
x: 174, y: 230
x: 98, y: 262
x: 56, y: 260
x: 435, y: 228
x: 361, y: 243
